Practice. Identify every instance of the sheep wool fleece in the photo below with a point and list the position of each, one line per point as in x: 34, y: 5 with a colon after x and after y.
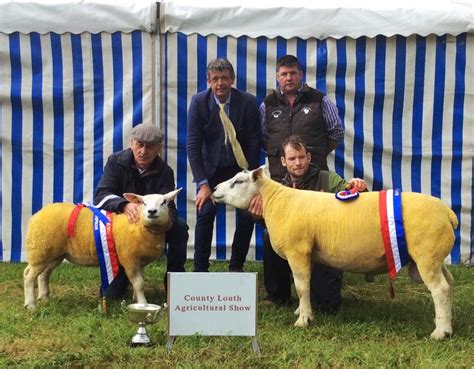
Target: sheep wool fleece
x: 326, y: 282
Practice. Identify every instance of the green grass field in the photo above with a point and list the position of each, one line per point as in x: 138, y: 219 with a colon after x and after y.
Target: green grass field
x: 371, y: 330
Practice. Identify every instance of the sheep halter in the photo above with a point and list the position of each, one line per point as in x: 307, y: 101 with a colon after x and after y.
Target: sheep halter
x: 393, y: 232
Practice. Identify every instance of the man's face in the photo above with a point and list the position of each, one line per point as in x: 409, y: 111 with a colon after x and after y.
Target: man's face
x: 289, y: 79
x: 221, y: 83
x: 144, y: 153
x: 296, y: 161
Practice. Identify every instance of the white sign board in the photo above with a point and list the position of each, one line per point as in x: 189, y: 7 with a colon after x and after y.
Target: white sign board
x: 212, y: 304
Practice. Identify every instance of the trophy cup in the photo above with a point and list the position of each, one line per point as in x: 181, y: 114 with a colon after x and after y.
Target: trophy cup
x: 142, y: 314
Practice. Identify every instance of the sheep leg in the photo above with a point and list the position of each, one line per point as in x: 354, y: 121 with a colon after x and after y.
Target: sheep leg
x: 136, y: 279
x: 301, y: 268
x: 30, y: 275
x: 43, y: 280
x: 440, y: 287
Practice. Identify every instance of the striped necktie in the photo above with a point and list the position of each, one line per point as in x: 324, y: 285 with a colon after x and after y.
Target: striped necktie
x: 230, y: 136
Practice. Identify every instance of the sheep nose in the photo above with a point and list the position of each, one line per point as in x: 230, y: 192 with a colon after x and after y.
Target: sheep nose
x: 152, y: 212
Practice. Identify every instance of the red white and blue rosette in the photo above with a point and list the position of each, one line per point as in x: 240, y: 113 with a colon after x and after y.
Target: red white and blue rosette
x: 347, y: 195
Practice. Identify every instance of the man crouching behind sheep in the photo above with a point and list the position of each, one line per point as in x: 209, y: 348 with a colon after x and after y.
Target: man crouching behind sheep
x: 312, y: 226
x: 141, y: 170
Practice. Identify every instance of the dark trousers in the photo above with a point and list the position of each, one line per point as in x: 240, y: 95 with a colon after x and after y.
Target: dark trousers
x: 205, y: 227
x: 177, y: 243
x: 326, y: 282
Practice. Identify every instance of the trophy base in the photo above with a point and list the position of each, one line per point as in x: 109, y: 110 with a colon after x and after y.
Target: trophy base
x: 141, y: 337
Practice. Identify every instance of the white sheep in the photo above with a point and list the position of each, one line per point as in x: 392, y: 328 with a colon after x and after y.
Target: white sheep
x: 137, y: 244
x: 310, y: 226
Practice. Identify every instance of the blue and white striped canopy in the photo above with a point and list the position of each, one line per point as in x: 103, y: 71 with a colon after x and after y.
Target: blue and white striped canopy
x: 407, y: 104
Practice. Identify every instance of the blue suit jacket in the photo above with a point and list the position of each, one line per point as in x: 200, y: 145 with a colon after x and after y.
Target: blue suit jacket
x: 206, y: 134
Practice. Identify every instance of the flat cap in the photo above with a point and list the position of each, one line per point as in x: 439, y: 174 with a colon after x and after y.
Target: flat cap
x: 147, y: 132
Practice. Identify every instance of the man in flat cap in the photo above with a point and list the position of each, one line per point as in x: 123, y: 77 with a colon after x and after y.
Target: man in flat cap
x: 140, y: 169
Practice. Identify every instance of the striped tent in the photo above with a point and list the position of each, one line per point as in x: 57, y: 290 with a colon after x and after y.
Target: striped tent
x: 405, y: 94
x: 73, y: 85
x: 71, y: 88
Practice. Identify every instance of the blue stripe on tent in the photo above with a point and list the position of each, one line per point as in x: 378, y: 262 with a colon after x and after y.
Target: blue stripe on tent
x: 340, y: 99
x: 417, y: 121
x: 260, y: 95
x: 261, y: 76
x: 222, y: 47
x: 38, y: 121
x: 182, y: 120
x: 438, y: 108
x: 117, y: 61
x: 281, y: 47
x: 58, y: 109
x: 321, y: 65
x: 201, y: 63
x: 98, y: 72
x: 301, y: 54
x: 78, y: 96
x: 242, y: 63
x: 379, y: 89
x: 359, y: 108
x: 221, y: 209
x: 16, y: 137
x: 458, y: 130
x: 137, y: 88
x: 397, y: 115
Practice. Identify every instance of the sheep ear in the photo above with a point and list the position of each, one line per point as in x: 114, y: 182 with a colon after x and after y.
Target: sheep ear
x: 133, y: 198
x: 257, y: 173
x: 172, y: 195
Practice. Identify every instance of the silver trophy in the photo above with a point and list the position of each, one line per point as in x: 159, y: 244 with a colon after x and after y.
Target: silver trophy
x: 143, y: 314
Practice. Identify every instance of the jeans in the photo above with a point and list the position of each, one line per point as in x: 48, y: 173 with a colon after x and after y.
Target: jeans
x: 325, y: 285
x: 203, y: 238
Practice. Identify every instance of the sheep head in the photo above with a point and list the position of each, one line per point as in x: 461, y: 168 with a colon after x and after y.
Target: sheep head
x: 240, y: 189
x: 154, y: 208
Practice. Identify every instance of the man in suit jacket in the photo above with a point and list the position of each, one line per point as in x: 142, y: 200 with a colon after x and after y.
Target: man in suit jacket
x: 214, y: 157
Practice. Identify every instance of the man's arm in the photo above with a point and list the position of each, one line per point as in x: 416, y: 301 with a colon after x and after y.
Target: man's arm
x: 108, y: 195
x: 334, y: 127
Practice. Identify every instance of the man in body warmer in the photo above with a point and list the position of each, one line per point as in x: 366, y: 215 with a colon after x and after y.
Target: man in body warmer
x: 294, y: 108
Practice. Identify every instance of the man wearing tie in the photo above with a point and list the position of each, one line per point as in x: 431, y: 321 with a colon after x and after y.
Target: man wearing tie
x: 223, y: 138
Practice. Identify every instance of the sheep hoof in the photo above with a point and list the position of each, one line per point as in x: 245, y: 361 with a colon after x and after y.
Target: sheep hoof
x: 303, y: 322
x: 440, y: 334
x: 30, y: 307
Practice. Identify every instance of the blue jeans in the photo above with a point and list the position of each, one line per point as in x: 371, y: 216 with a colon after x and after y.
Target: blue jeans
x: 203, y: 238
x: 177, y: 243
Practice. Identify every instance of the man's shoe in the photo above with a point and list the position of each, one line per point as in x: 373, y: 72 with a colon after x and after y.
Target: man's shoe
x: 277, y: 301
x: 236, y: 269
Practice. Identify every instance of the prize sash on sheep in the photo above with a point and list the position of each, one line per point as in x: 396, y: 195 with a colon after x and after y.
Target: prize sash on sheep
x: 393, y: 233
x: 104, y: 242
x: 106, y: 252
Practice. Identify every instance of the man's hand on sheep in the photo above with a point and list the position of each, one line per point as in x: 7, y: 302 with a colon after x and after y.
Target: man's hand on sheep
x: 256, y: 207
x: 132, y: 211
x: 203, y: 195
x: 357, y: 184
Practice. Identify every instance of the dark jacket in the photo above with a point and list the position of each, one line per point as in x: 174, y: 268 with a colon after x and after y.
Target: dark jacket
x: 121, y: 175
x: 304, y: 119
x: 317, y: 180
x: 205, y: 132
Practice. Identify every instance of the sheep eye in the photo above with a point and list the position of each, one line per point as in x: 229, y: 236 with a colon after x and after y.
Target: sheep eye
x: 237, y: 181
x: 164, y: 202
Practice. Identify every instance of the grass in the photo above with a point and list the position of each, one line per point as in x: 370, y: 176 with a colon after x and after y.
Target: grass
x: 371, y: 330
